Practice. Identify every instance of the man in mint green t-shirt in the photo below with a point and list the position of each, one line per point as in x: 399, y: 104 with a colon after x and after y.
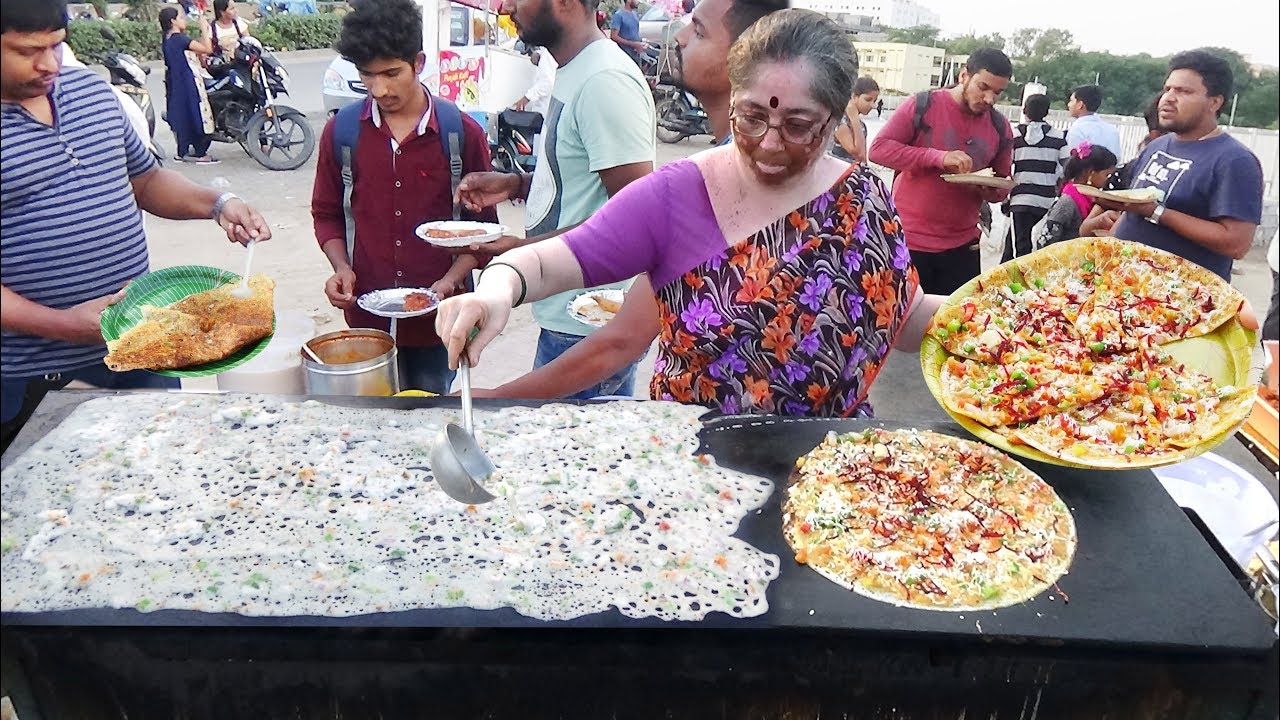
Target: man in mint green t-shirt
x: 598, y: 136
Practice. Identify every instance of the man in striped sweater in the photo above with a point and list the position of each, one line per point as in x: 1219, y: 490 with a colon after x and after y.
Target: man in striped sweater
x: 74, y: 181
x: 1039, y: 151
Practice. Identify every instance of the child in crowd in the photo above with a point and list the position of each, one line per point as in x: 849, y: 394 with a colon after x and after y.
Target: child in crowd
x: 851, y: 140
x: 1088, y: 165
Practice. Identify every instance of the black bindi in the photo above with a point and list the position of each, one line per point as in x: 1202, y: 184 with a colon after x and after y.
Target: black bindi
x: 773, y: 103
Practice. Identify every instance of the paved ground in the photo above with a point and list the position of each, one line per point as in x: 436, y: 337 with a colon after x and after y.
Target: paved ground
x: 300, y: 270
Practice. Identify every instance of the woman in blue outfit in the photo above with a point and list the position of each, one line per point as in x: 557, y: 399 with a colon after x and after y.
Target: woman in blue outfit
x: 187, y: 106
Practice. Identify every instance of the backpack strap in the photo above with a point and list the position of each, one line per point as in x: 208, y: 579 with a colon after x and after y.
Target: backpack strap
x: 346, y: 130
x: 449, y: 117
x: 1000, y: 122
x: 922, y: 99
x: 918, y: 124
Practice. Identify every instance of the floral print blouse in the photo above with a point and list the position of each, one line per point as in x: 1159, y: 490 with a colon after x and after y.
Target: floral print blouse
x: 795, y: 320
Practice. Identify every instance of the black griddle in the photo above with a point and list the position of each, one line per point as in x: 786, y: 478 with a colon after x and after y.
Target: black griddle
x: 1157, y: 627
x: 1143, y: 575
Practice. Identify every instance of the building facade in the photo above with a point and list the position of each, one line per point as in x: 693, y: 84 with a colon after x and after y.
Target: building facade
x: 899, y: 66
x: 886, y: 13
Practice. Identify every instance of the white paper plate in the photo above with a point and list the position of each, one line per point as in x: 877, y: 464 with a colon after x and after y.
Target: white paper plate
x: 587, y: 311
x: 975, y: 179
x: 1093, y: 192
x: 389, y: 303
x: 484, y: 232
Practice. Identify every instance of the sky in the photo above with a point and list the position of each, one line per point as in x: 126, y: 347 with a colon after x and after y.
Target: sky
x: 1125, y: 27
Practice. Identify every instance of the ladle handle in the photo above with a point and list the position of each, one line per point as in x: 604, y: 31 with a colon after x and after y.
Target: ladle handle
x: 464, y: 373
x: 248, y: 263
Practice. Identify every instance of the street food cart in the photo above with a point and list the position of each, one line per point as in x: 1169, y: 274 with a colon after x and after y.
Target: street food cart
x: 477, y: 66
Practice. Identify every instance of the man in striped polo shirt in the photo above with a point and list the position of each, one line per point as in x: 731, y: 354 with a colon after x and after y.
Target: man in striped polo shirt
x: 73, y: 182
x: 1039, y: 152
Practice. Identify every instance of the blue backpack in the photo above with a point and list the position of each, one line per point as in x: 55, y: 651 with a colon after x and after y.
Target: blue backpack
x: 346, y: 130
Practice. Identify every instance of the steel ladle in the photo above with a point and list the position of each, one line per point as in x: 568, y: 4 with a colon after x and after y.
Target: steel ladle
x: 243, y: 292
x: 458, y: 463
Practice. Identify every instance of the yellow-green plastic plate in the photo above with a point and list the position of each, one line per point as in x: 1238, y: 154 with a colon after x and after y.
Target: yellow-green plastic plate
x: 168, y: 286
x: 1224, y: 355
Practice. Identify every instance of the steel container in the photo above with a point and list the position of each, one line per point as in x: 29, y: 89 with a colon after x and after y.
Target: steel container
x: 360, y: 361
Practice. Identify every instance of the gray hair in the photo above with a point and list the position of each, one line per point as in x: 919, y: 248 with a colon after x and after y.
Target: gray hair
x: 796, y: 34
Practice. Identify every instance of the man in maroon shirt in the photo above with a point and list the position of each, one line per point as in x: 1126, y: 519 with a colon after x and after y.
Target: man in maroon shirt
x: 960, y: 132
x: 401, y: 180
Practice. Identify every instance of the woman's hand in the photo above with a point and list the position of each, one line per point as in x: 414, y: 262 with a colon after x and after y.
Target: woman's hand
x: 1248, y: 318
x: 460, y: 315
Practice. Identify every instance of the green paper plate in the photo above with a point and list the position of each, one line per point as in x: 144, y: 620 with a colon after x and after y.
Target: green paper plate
x: 168, y: 286
x: 1224, y: 355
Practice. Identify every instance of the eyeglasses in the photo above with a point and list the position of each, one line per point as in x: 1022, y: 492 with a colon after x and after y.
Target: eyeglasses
x: 795, y: 132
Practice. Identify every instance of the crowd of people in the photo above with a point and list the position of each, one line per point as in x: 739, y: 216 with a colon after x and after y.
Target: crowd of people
x: 759, y: 296
x: 775, y: 271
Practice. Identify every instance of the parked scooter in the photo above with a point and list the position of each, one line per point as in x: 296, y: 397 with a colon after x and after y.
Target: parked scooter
x: 129, y: 80
x: 242, y: 93
x: 512, y: 147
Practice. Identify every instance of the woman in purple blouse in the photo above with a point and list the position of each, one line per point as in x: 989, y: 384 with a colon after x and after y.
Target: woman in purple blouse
x: 778, y: 277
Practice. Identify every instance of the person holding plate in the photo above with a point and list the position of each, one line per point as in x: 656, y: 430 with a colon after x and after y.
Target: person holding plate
x: 1212, y: 183
x: 1090, y: 165
x: 71, y: 205
x: 400, y: 179
x: 596, y: 140
x: 782, y: 277
x: 958, y: 130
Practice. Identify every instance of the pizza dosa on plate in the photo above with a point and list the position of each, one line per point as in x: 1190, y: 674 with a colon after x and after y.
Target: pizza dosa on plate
x: 1063, y: 351
x: 198, y: 329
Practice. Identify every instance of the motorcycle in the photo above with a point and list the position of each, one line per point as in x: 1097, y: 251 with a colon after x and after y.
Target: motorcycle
x: 650, y: 61
x: 129, y: 80
x: 679, y: 115
x: 242, y: 93
x: 512, y: 147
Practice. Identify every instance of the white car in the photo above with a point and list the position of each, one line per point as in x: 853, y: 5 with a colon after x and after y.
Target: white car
x: 656, y: 24
x: 342, y: 85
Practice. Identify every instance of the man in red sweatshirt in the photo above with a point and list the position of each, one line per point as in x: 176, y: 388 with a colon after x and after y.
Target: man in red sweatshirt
x: 960, y: 131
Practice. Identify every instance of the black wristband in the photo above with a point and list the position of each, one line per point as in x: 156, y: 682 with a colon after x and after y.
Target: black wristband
x: 524, y: 286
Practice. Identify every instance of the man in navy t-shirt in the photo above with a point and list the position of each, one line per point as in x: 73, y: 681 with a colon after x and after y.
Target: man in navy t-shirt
x: 1212, y: 183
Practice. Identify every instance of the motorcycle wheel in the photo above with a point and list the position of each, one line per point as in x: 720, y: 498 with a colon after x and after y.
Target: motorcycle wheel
x: 287, y: 148
x: 670, y: 109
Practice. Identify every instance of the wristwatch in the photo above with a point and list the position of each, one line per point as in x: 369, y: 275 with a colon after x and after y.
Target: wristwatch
x: 220, y: 204
x: 1154, y: 217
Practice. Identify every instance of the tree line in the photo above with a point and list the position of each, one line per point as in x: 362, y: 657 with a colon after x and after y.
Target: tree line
x: 1129, y: 82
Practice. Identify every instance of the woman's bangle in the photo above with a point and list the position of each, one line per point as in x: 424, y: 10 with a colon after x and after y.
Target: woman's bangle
x: 524, y: 286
